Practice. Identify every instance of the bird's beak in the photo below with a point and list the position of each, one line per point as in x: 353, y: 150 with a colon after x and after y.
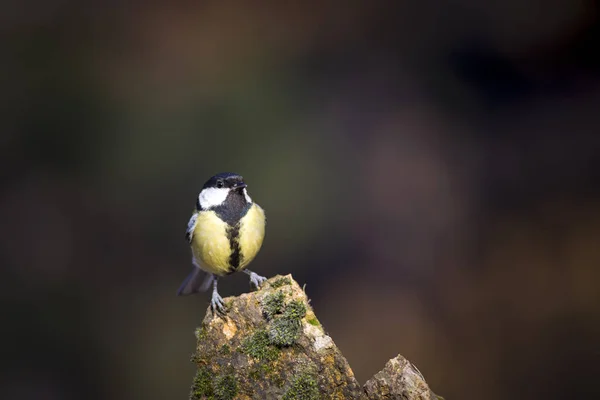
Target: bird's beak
x: 240, y: 185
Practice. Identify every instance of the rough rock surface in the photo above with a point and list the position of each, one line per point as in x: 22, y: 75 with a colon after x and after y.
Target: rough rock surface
x: 270, y: 345
x: 399, y: 379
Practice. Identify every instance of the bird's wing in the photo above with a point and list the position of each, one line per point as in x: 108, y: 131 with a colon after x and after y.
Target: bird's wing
x: 189, y: 233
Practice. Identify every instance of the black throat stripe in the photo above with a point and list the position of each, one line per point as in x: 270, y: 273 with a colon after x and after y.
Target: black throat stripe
x: 233, y: 234
x: 232, y: 211
x: 233, y: 208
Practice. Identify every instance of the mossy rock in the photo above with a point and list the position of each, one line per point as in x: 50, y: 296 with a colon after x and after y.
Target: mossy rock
x: 270, y: 345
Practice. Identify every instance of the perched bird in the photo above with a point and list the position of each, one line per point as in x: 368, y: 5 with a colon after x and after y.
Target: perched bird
x: 225, y: 232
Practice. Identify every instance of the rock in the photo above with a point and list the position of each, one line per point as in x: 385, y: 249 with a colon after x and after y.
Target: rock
x: 270, y: 345
x: 400, y: 380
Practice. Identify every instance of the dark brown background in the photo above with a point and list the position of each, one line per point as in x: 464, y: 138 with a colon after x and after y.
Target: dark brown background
x: 429, y: 169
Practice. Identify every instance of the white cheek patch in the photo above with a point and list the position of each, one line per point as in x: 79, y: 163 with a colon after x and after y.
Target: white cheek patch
x: 247, y: 196
x: 212, y: 197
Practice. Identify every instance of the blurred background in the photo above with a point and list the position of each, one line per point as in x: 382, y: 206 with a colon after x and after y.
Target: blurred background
x: 430, y: 170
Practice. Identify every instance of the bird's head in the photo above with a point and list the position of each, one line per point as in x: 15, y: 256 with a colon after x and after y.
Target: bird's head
x: 217, y: 189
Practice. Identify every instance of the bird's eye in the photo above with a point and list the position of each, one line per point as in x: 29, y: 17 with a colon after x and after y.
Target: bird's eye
x: 219, y: 184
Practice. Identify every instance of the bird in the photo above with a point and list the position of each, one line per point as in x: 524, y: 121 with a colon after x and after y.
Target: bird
x: 225, y: 233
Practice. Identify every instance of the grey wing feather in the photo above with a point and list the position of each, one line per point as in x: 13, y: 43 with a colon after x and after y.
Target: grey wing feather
x: 189, y: 233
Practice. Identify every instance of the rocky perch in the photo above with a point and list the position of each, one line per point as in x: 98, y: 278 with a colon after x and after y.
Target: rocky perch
x: 272, y: 346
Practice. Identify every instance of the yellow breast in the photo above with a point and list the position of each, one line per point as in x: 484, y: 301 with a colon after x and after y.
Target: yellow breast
x: 210, y: 243
x: 252, y: 233
x: 212, y: 240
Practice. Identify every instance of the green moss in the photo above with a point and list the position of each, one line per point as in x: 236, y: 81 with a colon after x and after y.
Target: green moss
x: 225, y: 349
x: 313, y: 321
x: 295, y: 310
x: 266, y: 371
x: 267, y: 368
x: 281, y: 282
x: 202, y: 386
x: 273, y: 304
x: 304, y: 387
x: 259, y: 346
x: 284, y: 332
x: 226, y: 388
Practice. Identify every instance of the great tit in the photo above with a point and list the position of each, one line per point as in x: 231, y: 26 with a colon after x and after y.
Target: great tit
x: 225, y: 232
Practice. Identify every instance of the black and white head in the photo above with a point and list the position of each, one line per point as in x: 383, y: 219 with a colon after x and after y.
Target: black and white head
x: 222, y: 190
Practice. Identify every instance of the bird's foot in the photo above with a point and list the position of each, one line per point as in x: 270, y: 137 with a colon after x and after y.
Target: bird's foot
x: 217, y: 305
x: 256, y: 279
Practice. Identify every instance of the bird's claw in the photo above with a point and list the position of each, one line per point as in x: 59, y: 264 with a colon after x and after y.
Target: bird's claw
x: 217, y: 305
x: 257, y: 280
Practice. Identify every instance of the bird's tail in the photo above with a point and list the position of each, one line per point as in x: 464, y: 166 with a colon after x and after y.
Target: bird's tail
x: 195, y: 283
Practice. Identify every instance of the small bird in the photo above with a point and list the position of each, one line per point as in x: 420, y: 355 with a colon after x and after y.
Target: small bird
x: 225, y: 232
